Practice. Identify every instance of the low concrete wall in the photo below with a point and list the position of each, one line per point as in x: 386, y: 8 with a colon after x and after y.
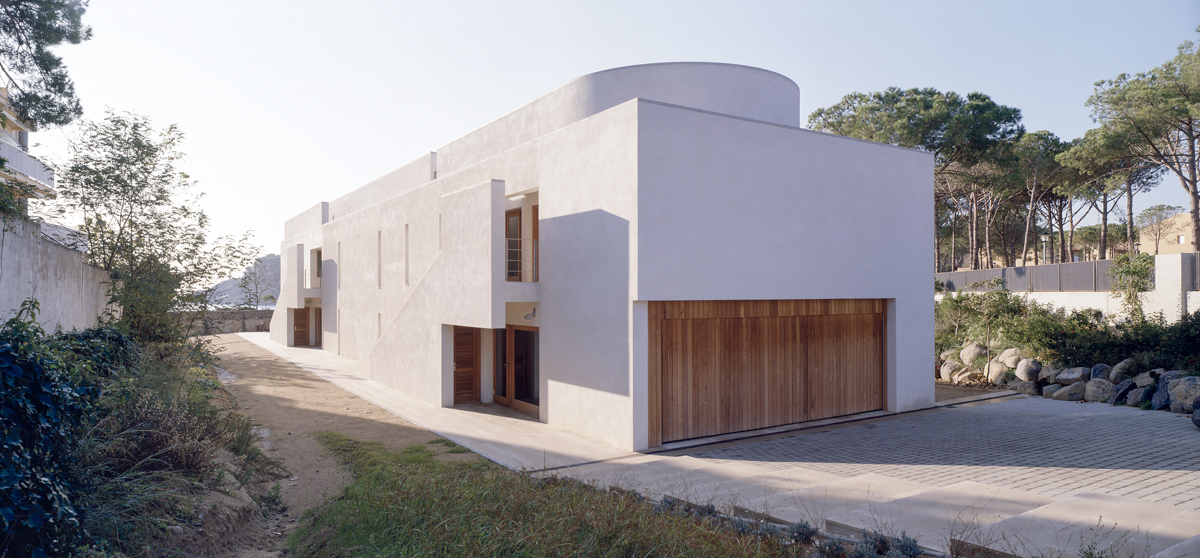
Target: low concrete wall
x: 72, y: 294
x: 1172, y: 295
x: 233, y: 321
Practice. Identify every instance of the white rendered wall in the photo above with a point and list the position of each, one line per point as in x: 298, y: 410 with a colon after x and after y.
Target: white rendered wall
x: 596, y: 162
x: 302, y: 234
x: 742, y: 91
x: 733, y: 209
x: 588, y: 209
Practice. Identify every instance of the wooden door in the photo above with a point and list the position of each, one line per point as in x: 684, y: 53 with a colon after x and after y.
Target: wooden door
x: 501, y: 390
x: 300, y: 333
x: 729, y: 366
x: 466, y: 365
x: 517, y: 382
x: 317, y: 324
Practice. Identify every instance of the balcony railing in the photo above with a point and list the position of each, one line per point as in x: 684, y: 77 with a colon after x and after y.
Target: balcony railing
x: 26, y: 164
x: 521, y: 255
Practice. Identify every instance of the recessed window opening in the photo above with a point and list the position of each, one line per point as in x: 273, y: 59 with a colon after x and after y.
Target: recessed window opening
x: 338, y: 276
x: 318, y: 263
x: 379, y: 259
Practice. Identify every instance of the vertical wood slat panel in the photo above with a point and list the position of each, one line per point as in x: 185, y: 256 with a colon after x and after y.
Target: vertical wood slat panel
x: 727, y: 366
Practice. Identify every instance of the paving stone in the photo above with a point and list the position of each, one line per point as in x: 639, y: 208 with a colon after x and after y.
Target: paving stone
x: 1048, y: 439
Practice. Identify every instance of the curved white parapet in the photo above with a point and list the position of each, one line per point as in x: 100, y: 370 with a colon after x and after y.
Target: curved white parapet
x: 740, y: 91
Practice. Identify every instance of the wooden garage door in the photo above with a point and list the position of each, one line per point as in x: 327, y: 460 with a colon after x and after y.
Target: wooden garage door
x: 727, y: 366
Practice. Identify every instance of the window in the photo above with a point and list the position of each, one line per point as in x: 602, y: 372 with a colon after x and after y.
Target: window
x: 379, y: 259
x: 1182, y: 239
x: 338, y: 278
x: 318, y: 263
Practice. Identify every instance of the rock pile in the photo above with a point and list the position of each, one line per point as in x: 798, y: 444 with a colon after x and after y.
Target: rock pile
x: 1157, y: 389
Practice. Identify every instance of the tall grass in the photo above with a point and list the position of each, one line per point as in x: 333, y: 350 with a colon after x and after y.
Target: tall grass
x: 409, y: 504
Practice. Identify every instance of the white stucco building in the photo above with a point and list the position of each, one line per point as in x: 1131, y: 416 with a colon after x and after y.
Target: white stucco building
x: 646, y: 254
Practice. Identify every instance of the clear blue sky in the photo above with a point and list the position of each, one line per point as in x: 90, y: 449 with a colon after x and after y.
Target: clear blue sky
x: 285, y: 104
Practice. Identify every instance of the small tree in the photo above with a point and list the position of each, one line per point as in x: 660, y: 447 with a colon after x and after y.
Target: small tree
x: 142, y: 227
x: 1131, y: 276
x: 255, y: 284
x: 1156, y: 221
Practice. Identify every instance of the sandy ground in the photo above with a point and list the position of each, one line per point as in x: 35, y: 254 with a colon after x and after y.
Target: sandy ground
x: 290, y: 405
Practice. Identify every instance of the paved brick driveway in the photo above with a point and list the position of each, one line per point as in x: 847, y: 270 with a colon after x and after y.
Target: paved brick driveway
x: 1047, y: 447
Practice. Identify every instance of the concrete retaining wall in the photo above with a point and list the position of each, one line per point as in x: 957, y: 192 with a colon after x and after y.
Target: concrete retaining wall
x: 72, y: 294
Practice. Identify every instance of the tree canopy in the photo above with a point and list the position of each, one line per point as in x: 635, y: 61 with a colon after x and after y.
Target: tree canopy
x: 39, y: 86
x: 955, y: 129
x: 141, y: 223
x: 1153, y: 118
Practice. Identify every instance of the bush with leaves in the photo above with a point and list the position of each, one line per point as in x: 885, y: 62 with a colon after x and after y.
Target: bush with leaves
x: 41, y: 412
x: 1132, y: 275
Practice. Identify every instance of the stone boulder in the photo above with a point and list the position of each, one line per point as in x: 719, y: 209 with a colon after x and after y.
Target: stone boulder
x: 1120, y: 392
x: 1075, y: 375
x: 1073, y: 392
x: 1100, y: 372
x: 1049, y: 374
x: 967, y: 375
x: 995, y: 372
x: 949, y: 368
x: 949, y: 354
x: 1010, y: 357
x: 1164, y: 376
x: 1161, y: 398
x: 1120, y: 372
x: 1196, y: 418
x: 1024, y: 388
x: 1184, y: 392
x: 1137, y: 396
x: 1028, y: 370
x: 1144, y: 379
x: 1098, y: 390
x: 970, y: 352
x: 1048, y: 391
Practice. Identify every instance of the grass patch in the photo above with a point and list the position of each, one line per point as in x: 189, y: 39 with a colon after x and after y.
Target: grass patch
x: 409, y: 504
x: 451, y: 447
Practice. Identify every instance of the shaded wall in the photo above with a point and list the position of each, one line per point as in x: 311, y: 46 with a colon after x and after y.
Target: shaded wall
x: 72, y: 294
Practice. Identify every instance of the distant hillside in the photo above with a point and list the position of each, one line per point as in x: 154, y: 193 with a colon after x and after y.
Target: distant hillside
x: 228, y: 293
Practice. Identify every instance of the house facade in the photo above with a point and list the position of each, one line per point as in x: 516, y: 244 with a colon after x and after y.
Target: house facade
x: 646, y: 254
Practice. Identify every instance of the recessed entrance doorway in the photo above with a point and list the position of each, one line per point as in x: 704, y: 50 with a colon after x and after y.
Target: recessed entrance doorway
x: 517, y: 369
x: 466, y: 365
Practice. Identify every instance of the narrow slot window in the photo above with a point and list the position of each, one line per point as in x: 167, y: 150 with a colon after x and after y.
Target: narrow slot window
x: 379, y: 259
x: 338, y: 274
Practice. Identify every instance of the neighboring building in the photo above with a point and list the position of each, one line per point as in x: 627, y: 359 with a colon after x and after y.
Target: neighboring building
x: 19, y: 166
x: 646, y: 254
x: 1177, y: 237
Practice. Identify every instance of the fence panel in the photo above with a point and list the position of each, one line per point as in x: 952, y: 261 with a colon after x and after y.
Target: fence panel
x: 1016, y: 278
x: 1044, y: 278
x: 1103, y: 281
x: 1080, y: 276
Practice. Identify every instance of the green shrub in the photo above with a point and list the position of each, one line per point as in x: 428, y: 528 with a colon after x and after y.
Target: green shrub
x: 41, y: 413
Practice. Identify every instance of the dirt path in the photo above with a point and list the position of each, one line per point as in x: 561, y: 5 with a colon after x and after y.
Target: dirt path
x: 290, y: 406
